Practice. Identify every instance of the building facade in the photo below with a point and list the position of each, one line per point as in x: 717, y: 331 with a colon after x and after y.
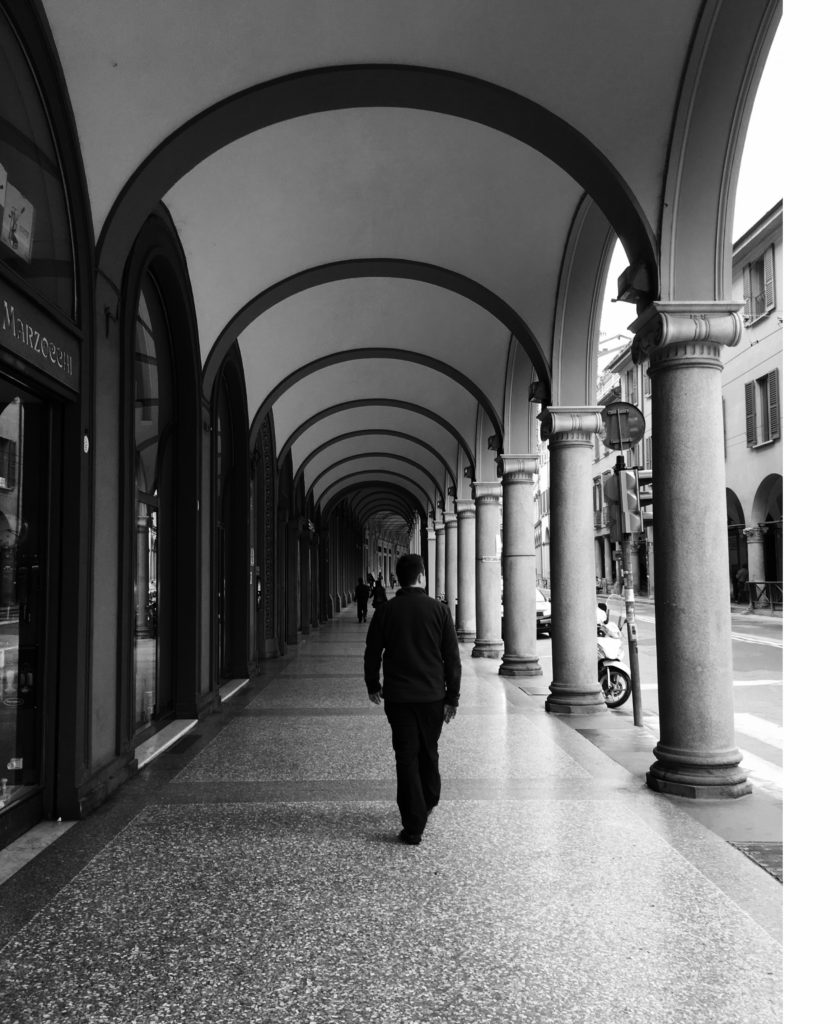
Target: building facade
x: 752, y: 432
x: 753, y: 414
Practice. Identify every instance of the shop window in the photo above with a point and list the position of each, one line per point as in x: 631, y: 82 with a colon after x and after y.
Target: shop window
x: 8, y: 469
x: 152, y: 419
x: 760, y: 286
x: 762, y: 407
x: 35, y: 239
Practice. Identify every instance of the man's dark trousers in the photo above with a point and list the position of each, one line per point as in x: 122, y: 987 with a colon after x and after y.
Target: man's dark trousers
x: 415, y: 731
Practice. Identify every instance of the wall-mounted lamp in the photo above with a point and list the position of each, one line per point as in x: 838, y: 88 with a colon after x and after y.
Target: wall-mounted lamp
x: 538, y: 392
x: 469, y: 472
x: 494, y: 443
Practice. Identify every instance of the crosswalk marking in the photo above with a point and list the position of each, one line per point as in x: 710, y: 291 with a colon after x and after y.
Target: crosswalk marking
x: 735, y: 682
x: 744, y: 638
x: 758, y: 729
x: 763, y: 773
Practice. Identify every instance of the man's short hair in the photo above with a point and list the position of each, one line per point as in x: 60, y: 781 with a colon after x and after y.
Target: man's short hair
x: 408, y: 569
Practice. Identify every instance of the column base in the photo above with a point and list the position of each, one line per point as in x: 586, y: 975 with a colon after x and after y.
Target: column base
x: 465, y: 636
x: 488, y: 649
x: 566, y: 702
x: 520, y: 665
x: 680, y: 777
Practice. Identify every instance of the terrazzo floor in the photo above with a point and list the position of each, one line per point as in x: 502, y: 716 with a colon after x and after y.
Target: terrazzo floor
x: 252, y: 874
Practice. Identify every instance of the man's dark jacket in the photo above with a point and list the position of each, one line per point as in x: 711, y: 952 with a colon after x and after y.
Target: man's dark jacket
x: 421, y: 659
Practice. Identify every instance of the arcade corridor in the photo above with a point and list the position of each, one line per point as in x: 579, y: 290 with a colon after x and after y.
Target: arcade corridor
x: 251, y: 875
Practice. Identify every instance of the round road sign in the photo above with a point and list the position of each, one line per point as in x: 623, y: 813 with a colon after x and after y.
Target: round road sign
x: 624, y: 425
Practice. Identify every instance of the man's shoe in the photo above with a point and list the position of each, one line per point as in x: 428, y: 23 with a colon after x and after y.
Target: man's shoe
x: 409, y: 838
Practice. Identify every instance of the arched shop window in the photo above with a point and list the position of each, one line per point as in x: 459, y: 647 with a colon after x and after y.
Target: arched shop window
x: 35, y: 238
x: 153, y: 498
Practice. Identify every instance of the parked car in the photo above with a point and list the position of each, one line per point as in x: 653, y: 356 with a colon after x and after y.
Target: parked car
x: 543, y: 611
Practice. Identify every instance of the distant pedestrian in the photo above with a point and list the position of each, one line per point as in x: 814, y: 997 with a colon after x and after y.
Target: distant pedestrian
x: 393, y: 581
x: 362, y: 597
x: 414, y: 639
x: 742, y: 590
x: 379, y: 595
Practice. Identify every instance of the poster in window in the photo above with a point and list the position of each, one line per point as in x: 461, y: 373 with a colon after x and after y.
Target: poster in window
x: 18, y: 220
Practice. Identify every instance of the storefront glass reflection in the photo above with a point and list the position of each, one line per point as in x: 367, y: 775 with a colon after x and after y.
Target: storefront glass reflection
x: 22, y: 496
x: 150, y: 685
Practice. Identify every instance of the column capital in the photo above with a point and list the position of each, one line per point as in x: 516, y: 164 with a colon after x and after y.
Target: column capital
x: 486, y: 492
x: 430, y: 532
x: 517, y: 468
x: 465, y: 508
x: 570, y: 423
x: 686, y: 331
x: 755, y: 533
x: 449, y: 519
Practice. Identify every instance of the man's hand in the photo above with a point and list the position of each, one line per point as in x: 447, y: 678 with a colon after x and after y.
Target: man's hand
x: 376, y: 696
x: 449, y: 712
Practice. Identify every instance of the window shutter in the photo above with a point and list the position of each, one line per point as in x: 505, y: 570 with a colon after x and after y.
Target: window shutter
x: 748, y: 302
x: 769, y: 281
x: 648, y: 453
x: 773, y: 403
x: 749, y: 399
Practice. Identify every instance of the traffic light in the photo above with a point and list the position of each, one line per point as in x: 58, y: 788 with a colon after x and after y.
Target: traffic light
x: 613, y: 507
x: 629, y: 501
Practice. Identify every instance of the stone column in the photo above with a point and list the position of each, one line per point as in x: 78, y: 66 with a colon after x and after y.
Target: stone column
x: 570, y: 433
x: 696, y: 754
x: 755, y: 556
x: 450, y: 521
x: 465, y: 618
x: 431, y: 580
x: 519, y: 567
x: 488, y: 572
x: 440, y: 561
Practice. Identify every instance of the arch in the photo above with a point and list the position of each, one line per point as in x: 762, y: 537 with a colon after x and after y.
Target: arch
x: 376, y: 85
x: 379, y: 505
x: 577, y: 311
x: 344, y: 485
x: 376, y: 353
x: 377, y: 433
x: 345, y: 270
x: 767, y: 504
x: 392, y: 403
x: 520, y: 413
x: 391, y: 493
x: 731, y: 45
x: 370, y: 455
x: 158, y: 255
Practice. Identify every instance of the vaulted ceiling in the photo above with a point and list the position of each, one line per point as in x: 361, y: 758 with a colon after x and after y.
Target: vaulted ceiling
x: 382, y: 202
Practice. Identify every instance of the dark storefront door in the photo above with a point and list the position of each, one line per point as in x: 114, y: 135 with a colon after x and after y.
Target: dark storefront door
x: 24, y: 482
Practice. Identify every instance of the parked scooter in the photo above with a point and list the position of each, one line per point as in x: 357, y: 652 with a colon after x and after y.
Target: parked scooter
x: 613, y: 672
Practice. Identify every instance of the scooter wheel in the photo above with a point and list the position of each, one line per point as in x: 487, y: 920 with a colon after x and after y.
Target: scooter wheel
x: 616, y: 685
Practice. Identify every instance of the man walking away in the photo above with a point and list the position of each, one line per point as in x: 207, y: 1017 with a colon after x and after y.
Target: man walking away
x: 421, y: 672
x: 362, y: 596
